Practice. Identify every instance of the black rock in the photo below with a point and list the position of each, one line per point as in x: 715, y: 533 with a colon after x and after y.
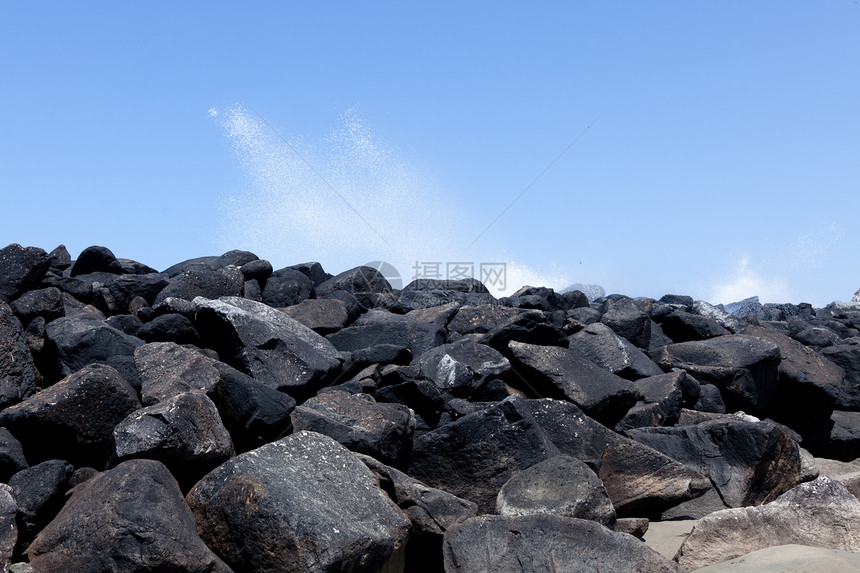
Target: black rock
x: 628, y: 320
x: 383, y: 327
x: 17, y: 370
x: 169, y: 328
x: 74, y: 418
x: 427, y: 293
x: 12, y: 458
x: 39, y: 492
x: 357, y: 421
x: 114, y: 294
x: 555, y: 372
x: 21, y: 268
x: 79, y: 289
x: 540, y: 298
x: 534, y: 543
x: 96, y: 260
x: 837, y: 438
x: 528, y: 326
x: 440, y: 315
x: 322, y: 315
x: 60, y: 258
x: 204, y: 282
x: 682, y: 326
x: 106, y: 526
x: 45, y: 302
x: 258, y: 270
x: 710, y: 400
x: 286, y: 287
x: 599, y: 344
x: 680, y: 299
x: 461, y: 368
x: 847, y: 357
x: 363, y: 283
x: 167, y: 369
x: 127, y: 323
x: 305, y: 501
x: 481, y: 319
x: 663, y: 396
x: 313, y: 271
x: 422, y: 396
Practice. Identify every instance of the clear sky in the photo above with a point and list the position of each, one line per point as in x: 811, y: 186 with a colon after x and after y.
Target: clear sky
x: 721, y: 157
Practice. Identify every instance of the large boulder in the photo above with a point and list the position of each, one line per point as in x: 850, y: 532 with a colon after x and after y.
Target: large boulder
x: 599, y: 343
x: 557, y: 372
x: 74, y: 418
x: 561, y: 485
x: 21, y: 268
x: 663, y: 397
x: 303, y: 503
x: 683, y: 326
x: 543, y: 543
x: 744, y: 368
x: 367, y: 285
x: 40, y: 493
x: 96, y: 259
x: 17, y: 371
x: 821, y: 513
x: 204, y: 282
x: 749, y: 463
x: 427, y: 293
x: 167, y: 369
x: 383, y: 327
x: 45, y: 302
x: 461, y: 368
x: 837, y: 438
x: 130, y: 518
x: 184, y: 432
x: 480, y: 319
x: 8, y: 526
x: 627, y: 319
x: 322, y: 315
x: 357, y: 421
x: 12, y: 458
x: 847, y: 357
x: 267, y: 344
x: 286, y: 287
x: 114, y: 294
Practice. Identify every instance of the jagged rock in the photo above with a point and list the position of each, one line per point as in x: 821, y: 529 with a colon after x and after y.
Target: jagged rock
x: 540, y: 298
x: 821, y: 513
x: 837, y: 438
x: 663, y: 397
x: 817, y: 337
x: 553, y: 371
x: 627, y: 320
x: 744, y: 368
x: 114, y: 294
x: 710, y: 400
x: 474, y: 456
x: 267, y: 344
x: 599, y: 343
x: 80, y: 342
x: 12, y: 458
x: 60, y: 258
x: 725, y: 319
x: 39, y: 493
x: 8, y: 526
x: 440, y: 315
x: 313, y: 271
x: 169, y: 328
x: 482, y: 318
x: 538, y: 543
x: 45, y: 302
x: 74, y: 418
x: 357, y: 421
x: 561, y: 485
x: 184, y: 432
x: 167, y: 369
x: 749, y: 463
x: 127, y: 323
x: 17, y: 371
x: 286, y: 287
x: 383, y: 327
x: 682, y: 326
x: 427, y: 293
x: 365, y: 284
x: 203, y: 282
x: 461, y: 368
x: 21, y: 268
x: 528, y: 326
x: 847, y: 357
x: 431, y: 511
x: 322, y: 315
x: 304, y: 502
x: 106, y: 527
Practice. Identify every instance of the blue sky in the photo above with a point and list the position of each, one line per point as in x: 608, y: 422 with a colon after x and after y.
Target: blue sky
x: 724, y: 161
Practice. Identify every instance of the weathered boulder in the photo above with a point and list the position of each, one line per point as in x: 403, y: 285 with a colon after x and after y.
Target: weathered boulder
x: 440, y: 315
x: 8, y: 526
x: 171, y: 327
x: 683, y: 326
x: 105, y: 526
x: 837, y: 438
x: 847, y: 357
x: 81, y: 341
x: 39, y: 493
x: 21, y: 268
x: 663, y: 397
x: 74, y: 418
x: 96, y: 259
x: 167, y: 369
x: 749, y: 463
x: 267, y: 344
x: 12, y: 458
x: 17, y: 371
x: 528, y: 326
x: 820, y: 513
x: 184, y: 432
x: 475, y: 455
x: 115, y: 294
x: 461, y: 368
x: 322, y: 315
x: 44, y: 302
x: 599, y: 343
x: 558, y: 372
x: 204, y: 282
x: 628, y: 320
x: 561, y: 485
x: 427, y: 293
x: 541, y: 543
x: 303, y: 503
x: 365, y: 284
x: 744, y: 368
x: 286, y: 287
x: 480, y: 319
x: 540, y: 298
x: 383, y: 327
x: 357, y: 421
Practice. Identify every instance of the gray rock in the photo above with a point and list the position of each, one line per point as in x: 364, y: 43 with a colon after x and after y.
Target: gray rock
x: 106, y: 526
x: 322, y: 315
x: 635, y: 526
x: 725, y: 319
x: 204, y: 282
x: 39, y: 492
x: 167, y: 369
x: 17, y: 371
x: 820, y: 513
x: 628, y: 320
x: 561, y: 485
x: 544, y: 543
x: 440, y: 315
x: 383, y: 327
x: 461, y: 368
x: 267, y: 344
x: 788, y: 559
x: 599, y: 343
x: 44, y: 302
x: 8, y: 526
x: 303, y: 503
x: 286, y: 287
x: 12, y: 458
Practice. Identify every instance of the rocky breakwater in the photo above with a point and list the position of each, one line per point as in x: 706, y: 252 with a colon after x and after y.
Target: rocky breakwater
x: 222, y: 415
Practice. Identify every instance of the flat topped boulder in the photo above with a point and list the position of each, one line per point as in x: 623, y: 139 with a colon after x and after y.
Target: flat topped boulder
x: 303, y: 503
x: 267, y: 344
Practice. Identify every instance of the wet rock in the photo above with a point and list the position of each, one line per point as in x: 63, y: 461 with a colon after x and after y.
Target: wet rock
x: 304, y: 500
x: 105, y: 527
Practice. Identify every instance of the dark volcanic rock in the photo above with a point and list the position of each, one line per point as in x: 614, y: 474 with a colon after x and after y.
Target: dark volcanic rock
x: 847, y: 357
x: 710, y: 400
x: 663, y: 397
x: 17, y: 371
x: 39, y: 492
x: 74, y: 418
x: 167, y: 369
x: 9, y: 526
x: 106, y: 526
x: 286, y: 287
x: 96, y: 260
x: 629, y: 321
x: 12, y: 458
x: 383, y: 431
x: 461, y: 368
x: 303, y: 503
x: 322, y: 315
x: 528, y: 326
x: 367, y: 285
x: 837, y: 438
x: 184, y: 432
x: 560, y: 372
x: 543, y: 543
x: 427, y: 293
x: 561, y: 485
x: 474, y: 456
x: 540, y: 298
x: 749, y: 463
x: 482, y: 318
x: 204, y: 282
x: 599, y: 344
x: 383, y: 327
x: 21, y: 268
x: 258, y: 270
x: 744, y: 368
x: 440, y: 315
x: 169, y: 328
x: 80, y: 342
x: 267, y: 344
x: 682, y: 326
x: 115, y: 294
x: 313, y: 271
x: 60, y: 258
x: 45, y: 302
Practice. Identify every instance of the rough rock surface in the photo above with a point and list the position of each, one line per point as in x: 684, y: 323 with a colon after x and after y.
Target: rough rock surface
x: 17, y: 371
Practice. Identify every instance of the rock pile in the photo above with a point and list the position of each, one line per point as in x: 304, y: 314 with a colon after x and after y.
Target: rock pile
x: 223, y: 415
